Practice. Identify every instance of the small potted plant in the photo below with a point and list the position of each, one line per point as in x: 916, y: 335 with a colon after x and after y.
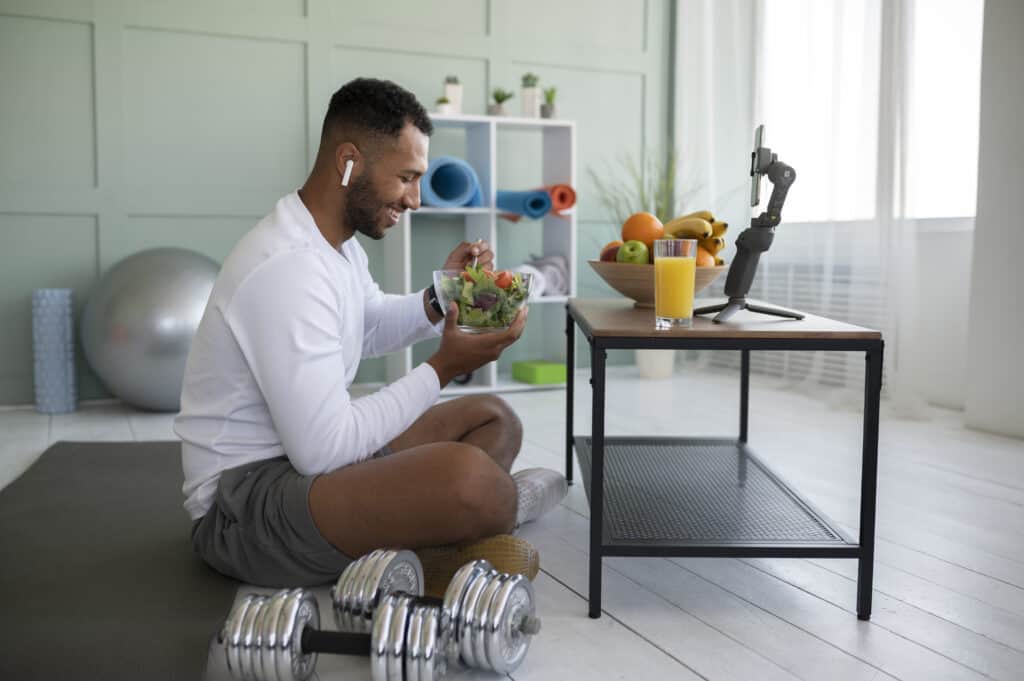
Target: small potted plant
x: 547, y: 109
x: 531, y: 95
x: 500, y: 97
x: 453, y: 91
x: 444, y: 106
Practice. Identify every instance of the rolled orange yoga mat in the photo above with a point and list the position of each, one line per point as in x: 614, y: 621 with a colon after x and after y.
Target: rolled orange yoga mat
x: 563, y: 197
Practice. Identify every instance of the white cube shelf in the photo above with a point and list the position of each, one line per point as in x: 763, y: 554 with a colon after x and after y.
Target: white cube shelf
x: 558, y: 236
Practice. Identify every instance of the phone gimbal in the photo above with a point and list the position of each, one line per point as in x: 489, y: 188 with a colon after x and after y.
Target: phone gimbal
x: 756, y: 239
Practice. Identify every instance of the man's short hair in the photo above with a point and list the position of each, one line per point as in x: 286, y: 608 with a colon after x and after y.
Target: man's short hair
x: 378, y: 107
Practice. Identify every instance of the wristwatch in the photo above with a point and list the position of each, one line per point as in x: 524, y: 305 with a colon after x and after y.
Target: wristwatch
x: 434, y: 302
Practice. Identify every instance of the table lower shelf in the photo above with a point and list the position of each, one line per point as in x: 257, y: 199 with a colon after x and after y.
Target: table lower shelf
x: 703, y: 497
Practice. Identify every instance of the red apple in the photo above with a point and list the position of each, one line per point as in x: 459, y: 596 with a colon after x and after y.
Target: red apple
x: 610, y: 250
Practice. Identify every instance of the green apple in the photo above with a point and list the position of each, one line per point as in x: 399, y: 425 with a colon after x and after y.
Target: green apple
x: 633, y: 252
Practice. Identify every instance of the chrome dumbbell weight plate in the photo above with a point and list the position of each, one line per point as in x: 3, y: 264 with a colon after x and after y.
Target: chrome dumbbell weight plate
x: 390, y: 625
x: 271, y: 644
x: 482, y: 617
x: 488, y: 618
x: 231, y: 634
x: 395, y: 571
x: 454, y: 599
x: 466, y: 622
x: 397, y: 636
x: 510, y: 624
x: 344, y: 596
x: 262, y: 637
x: 433, y: 662
x: 425, y: 658
x: 299, y: 610
x: 250, y: 642
x: 243, y: 646
x: 413, y: 651
x: 361, y: 586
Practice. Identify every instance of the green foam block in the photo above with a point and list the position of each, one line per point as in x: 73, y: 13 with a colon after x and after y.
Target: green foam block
x: 538, y: 372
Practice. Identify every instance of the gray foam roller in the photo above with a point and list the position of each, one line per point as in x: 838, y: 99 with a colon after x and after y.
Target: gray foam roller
x: 53, y: 348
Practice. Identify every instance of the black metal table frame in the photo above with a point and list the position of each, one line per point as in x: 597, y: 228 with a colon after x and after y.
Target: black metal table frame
x: 863, y: 551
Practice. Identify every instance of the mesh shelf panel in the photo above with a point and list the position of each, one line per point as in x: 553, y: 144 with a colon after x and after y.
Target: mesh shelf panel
x: 689, y: 491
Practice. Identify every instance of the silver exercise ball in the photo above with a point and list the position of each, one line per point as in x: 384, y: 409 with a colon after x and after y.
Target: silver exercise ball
x: 139, y: 322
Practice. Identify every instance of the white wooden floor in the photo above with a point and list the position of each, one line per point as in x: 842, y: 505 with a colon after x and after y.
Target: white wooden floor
x: 949, y: 573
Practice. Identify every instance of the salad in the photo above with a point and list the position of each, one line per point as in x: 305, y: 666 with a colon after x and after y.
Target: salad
x: 486, y: 299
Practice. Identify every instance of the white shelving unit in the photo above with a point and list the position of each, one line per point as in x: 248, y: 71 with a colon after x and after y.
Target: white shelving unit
x: 559, y: 233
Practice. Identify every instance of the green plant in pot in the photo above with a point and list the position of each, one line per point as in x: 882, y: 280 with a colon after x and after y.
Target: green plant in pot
x: 547, y: 109
x: 531, y: 95
x: 453, y: 92
x: 444, y: 105
x: 500, y: 97
x: 645, y: 185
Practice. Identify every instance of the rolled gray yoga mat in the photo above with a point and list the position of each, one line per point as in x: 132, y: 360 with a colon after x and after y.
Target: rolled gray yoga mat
x: 53, y: 350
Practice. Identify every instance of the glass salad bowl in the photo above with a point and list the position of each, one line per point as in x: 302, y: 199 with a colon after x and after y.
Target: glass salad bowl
x: 488, y: 300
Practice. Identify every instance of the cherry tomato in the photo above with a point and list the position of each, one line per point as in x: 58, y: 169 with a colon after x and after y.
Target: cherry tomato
x: 467, y: 276
x: 503, y: 280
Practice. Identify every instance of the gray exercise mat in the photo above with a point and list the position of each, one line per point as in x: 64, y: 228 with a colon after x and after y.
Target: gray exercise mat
x: 97, y: 575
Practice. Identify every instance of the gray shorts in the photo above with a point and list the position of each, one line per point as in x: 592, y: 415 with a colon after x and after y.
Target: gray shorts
x: 260, y: 530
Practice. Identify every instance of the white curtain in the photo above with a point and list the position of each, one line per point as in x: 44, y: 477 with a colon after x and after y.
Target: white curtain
x: 714, y: 105
x: 831, y: 80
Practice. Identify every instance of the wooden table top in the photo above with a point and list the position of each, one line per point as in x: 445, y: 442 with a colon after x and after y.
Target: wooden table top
x: 618, y: 318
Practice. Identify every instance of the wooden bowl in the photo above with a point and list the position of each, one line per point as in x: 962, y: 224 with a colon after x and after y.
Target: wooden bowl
x: 637, y: 281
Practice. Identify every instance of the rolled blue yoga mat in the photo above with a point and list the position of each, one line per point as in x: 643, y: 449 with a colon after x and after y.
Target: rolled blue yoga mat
x: 53, y: 349
x: 450, y: 183
x: 532, y: 204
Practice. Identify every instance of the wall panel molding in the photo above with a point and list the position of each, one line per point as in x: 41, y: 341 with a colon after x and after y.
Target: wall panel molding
x: 158, y: 174
x: 59, y: 10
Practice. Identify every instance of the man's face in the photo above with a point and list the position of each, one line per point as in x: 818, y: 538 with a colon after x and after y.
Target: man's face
x: 389, y: 185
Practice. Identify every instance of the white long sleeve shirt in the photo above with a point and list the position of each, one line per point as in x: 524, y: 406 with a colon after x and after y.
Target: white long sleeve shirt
x: 279, y: 344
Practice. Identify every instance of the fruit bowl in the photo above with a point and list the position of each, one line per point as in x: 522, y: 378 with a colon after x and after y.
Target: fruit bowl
x: 488, y: 301
x: 637, y: 281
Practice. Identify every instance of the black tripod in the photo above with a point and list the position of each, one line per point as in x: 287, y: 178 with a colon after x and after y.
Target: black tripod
x: 756, y: 239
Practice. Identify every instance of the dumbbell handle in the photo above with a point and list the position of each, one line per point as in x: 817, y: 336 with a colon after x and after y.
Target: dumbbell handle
x: 345, y: 643
x: 335, y: 642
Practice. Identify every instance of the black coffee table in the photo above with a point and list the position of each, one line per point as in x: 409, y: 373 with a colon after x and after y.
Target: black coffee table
x: 711, y: 497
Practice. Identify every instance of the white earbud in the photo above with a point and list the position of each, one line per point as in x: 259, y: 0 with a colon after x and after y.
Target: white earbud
x: 348, y: 172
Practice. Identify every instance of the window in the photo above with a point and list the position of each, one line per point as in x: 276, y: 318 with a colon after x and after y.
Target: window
x: 819, y: 69
x: 944, y: 97
x: 818, y: 90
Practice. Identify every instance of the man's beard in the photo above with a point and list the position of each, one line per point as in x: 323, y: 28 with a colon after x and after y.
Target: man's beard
x: 362, y: 207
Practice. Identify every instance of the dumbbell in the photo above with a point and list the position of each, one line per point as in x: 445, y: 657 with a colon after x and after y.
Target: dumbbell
x: 485, y: 620
x: 360, y: 588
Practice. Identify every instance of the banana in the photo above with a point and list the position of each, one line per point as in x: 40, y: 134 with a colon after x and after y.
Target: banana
x: 718, y: 227
x: 702, y: 214
x: 713, y: 244
x: 688, y: 228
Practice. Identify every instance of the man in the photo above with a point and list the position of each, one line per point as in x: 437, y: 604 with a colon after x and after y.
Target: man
x: 288, y: 479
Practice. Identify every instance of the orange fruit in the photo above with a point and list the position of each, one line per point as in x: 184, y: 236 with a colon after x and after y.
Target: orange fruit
x: 704, y: 257
x: 643, y: 227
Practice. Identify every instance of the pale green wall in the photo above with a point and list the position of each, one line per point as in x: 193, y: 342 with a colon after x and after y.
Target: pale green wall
x: 131, y: 124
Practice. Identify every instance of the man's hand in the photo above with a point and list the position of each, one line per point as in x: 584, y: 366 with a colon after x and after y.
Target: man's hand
x: 461, y: 353
x: 465, y: 252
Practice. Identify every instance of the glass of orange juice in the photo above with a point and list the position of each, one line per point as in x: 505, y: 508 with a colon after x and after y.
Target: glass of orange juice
x: 675, y: 271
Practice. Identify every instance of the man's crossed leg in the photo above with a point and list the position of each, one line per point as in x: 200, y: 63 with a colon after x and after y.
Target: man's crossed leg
x: 447, y: 482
